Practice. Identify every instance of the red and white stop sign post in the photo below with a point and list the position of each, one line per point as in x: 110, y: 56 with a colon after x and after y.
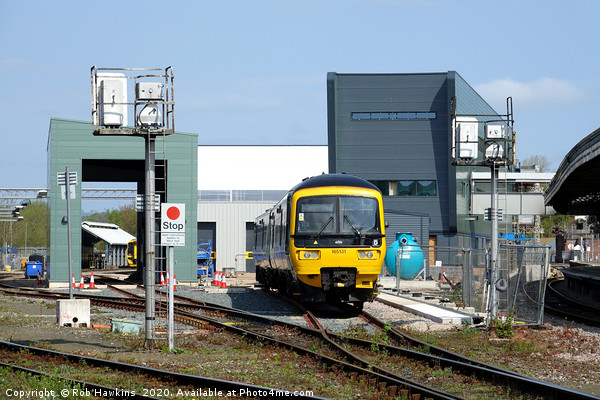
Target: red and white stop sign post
x: 172, y: 224
x: 172, y: 233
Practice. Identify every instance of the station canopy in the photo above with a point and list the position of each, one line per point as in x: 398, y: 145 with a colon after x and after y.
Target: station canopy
x: 110, y: 233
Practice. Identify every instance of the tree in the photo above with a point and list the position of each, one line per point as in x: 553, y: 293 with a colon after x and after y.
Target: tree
x: 32, y: 230
x: 125, y: 218
x: 540, y: 161
x: 562, y: 222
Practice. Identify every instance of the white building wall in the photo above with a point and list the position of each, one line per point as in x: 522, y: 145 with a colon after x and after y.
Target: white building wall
x: 249, y: 168
x: 258, y: 167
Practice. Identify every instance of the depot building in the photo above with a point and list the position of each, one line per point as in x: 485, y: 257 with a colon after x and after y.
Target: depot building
x: 394, y: 130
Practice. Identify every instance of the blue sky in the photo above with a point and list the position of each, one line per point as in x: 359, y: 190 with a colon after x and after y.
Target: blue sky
x: 254, y: 72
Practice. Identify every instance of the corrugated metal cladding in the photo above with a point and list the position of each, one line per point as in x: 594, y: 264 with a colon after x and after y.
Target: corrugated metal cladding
x: 399, y: 222
x: 396, y: 127
x: 119, y: 159
x: 230, y: 220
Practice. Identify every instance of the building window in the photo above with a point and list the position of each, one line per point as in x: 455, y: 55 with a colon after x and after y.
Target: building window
x: 416, y: 188
x: 384, y: 186
x: 395, y: 116
x: 407, y: 188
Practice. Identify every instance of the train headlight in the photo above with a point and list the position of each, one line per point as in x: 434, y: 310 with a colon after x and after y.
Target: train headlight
x: 309, y: 255
x: 366, y: 255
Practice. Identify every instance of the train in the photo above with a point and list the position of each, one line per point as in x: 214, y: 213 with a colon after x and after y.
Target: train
x: 324, y: 241
x: 132, y: 253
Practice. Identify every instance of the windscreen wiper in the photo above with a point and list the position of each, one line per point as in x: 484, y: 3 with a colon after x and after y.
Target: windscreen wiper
x: 323, y: 227
x: 352, y: 225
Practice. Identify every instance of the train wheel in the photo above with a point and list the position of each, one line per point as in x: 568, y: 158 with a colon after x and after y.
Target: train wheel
x: 282, y: 282
x: 259, y: 275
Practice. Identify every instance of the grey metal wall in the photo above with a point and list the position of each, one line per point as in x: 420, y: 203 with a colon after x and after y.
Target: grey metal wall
x: 394, y: 150
x: 402, y: 222
x: 402, y: 149
x: 230, y: 220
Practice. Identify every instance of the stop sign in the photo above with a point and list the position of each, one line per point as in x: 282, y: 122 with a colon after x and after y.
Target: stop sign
x: 172, y: 226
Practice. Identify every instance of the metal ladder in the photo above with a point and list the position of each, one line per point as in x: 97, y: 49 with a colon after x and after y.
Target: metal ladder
x: 160, y: 191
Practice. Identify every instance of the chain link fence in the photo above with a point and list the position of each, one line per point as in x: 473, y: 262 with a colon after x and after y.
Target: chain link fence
x: 520, y: 287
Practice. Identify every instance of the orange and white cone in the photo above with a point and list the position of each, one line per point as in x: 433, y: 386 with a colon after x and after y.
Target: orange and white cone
x: 214, y: 281
x: 39, y: 278
x: 444, y: 275
x: 162, y: 279
x: 223, y: 282
x: 81, y: 284
x: 92, y: 283
x: 219, y: 279
x: 73, y: 280
x: 174, y: 282
x: 168, y: 279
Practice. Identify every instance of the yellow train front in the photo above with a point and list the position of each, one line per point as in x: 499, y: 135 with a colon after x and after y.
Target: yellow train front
x: 324, y: 241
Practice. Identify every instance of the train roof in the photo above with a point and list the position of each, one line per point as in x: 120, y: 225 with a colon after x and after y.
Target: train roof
x: 334, y: 180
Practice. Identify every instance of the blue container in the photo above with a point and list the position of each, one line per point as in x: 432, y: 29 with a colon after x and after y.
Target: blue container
x: 405, y: 254
x: 32, y: 268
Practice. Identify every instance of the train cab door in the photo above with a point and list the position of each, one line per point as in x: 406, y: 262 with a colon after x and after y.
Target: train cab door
x: 250, y: 267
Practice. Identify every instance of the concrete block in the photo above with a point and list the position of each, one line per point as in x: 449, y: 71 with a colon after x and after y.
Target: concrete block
x: 75, y: 312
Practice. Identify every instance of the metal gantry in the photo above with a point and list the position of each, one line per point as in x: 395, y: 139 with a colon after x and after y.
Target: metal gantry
x: 154, y: 117
x: 499, y: 143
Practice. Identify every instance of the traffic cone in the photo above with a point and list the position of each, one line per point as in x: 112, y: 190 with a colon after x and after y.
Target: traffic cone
x: 174, y: 282
x: 92, y: 283
x: 444, y: 275
x: 81, y: 284
x: 215, y: 278
x: 39, y: 278
x: 168, y: 279
x: 162, y: 279
x: 219, y: 278
x: 73, y: 280
x: 223, y: 282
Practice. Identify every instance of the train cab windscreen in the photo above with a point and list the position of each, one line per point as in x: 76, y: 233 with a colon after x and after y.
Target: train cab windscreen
x: 349, y: 217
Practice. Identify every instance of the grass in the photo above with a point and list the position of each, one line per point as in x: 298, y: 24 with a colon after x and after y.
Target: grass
x: 19, y: 384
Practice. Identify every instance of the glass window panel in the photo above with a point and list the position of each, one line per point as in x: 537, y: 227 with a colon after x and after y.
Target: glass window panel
x: 360, y: 115
x: 404, y: 188
x: 483, y: 187
x: 426, y: 188
x: 316, y: 214
x: 358, y: 214
x: 384, y: 186
x: 380, y: 115
x: 392, y: 115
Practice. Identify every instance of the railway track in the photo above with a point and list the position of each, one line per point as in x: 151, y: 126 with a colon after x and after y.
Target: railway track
x: 173, y: 384
x: 439, y: 357
x: 557, y: 303
x: 356, y: 357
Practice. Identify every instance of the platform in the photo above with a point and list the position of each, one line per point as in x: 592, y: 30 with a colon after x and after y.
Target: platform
x: 389, y: 282
x: 437, y: 314
x: 584, y: 282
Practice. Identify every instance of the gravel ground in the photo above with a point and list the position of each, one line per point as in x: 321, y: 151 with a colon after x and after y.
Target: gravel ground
x: 564, y: 353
